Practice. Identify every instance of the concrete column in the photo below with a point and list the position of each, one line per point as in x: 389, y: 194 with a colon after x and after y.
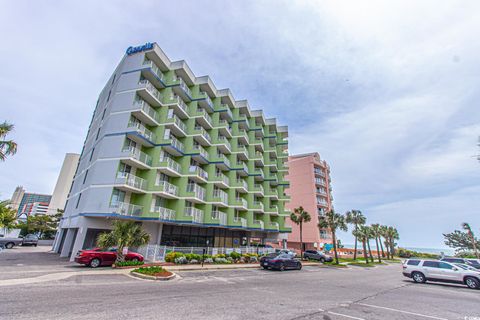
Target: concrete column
x: 80, y: 239
x: 58, y: 239
x: 68, y: 242
x: 159, y: 233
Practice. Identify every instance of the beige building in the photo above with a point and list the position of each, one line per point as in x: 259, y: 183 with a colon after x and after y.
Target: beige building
x: 64, y: 182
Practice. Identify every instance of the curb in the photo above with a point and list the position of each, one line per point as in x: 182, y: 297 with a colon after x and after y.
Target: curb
x: 147, y: 277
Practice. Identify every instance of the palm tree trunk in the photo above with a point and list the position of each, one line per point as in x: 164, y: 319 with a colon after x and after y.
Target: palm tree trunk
x: 474, y: 245
x: 301, y: 241
x: 381, y: 247
x: 369, y: 249
x: 365, y: 251
x: 120, y: 256
x: 392, y: 249
x: 335, y: 246
x: 355, y: 252
x: 378, y: 250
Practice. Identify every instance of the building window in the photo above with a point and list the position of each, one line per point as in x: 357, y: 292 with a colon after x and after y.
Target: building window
x: 91, y: 154
x: 103, y: 114
x: 109, y: 93
x: 98, y: 133
x: 78, y: 200
x: 85, y: 177
x: 114, y: 76
x: 118, y: 196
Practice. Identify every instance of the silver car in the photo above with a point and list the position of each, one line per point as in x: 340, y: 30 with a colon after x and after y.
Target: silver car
x: 440, y: 271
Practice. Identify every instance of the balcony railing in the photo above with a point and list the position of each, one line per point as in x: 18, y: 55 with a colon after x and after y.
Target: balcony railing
x: 130, y: 180
x: 242, y: 202
x: 221, y: 177
x: 196, y: 214
x: 224, y: 140
x: 155, y: 69
x: 242, y: 221
x: 164, y: 213
x: 242, y: 183
x: 274, y: 226
x: 258, y: 204
x: 151, y: 89
x: 203, y: 132
x: 174, y: 119
x: 198, y: 171
x: 184, y: 87
x: 260, y: 223
x: 143, y: 131
x: 320, y: 182
x: 197, y: 190
x: 207, y: 99
x: 175, y: 143
x: 167, y: 162
x: 258, y: 187
x: 145, y: 107
x: 126, y: 209
x: 222, y: 195
x: 138, y: 155
x: 201, y: 150
x: 205, y: 115
x: 167, y: 187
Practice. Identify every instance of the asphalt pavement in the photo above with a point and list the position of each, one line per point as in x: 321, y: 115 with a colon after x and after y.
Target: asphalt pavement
x: 311, y: 293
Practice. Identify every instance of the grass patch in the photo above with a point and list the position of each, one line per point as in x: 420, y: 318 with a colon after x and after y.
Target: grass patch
x: 362, y: 264
x: 156, y: 271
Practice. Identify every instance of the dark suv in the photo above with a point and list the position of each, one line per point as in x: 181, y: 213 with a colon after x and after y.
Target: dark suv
x: 317, y: 255
x: 469, y: 262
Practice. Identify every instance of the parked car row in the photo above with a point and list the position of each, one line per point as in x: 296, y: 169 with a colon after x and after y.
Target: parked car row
x: 448, y: 270
x: 28, y: 240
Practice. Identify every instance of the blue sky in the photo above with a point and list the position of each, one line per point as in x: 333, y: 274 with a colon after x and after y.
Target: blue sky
x: 386, y: 92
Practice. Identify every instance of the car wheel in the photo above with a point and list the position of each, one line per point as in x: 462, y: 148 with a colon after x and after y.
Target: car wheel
x: 299, y: 267
x: 135, y: 259
x: 322, y: 260
x: 9, y: 245
x: 418, y: 277
x: 95, y: 262
x: 35, y: 245
x: 282, y: 267
x: 265, y: 268
x: 472, y: 283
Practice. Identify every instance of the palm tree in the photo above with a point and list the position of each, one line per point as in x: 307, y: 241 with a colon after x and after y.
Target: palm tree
x: 7, y: 147
x: 356, y: 218
x: 333, y: 221
x: 362, y: 233
x: 375, y: 228
x: 8, y: 216
x: 390, y: 236
x: 383, y: 230
x: 467, y: 228
x: 369, y: 236
x: 124, y: 234
x: 299, y: 216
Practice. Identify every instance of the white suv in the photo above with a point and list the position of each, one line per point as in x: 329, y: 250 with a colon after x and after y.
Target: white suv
x: 432, y: 270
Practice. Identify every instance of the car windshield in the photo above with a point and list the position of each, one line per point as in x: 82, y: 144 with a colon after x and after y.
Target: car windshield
x: 271, y: 255
x: 464, y: 267
x: 474, y: 262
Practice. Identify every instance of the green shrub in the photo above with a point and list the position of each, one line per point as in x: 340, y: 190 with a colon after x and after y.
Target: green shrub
x: 149, y: 270
x: 404, y: 253
x: 235, y: 256
x: 220, y: 255
x: 128, y: 263
x: 193, y: 256
x: 171, y: 256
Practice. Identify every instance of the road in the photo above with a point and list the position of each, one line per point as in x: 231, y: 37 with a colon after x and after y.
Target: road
x: 312, y: 293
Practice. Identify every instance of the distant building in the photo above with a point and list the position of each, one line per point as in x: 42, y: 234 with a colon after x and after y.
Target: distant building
x: 310, y: 188
x: 17, y: 197
x: 32, y: 203
x: 64, y: 183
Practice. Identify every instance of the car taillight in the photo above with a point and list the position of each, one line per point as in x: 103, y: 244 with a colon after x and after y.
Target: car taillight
x: 404, y: 267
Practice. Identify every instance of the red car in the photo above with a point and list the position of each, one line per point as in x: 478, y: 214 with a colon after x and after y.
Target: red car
x: 98, y: 257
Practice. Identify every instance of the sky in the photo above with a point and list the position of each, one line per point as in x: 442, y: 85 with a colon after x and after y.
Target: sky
x: 385, y: 91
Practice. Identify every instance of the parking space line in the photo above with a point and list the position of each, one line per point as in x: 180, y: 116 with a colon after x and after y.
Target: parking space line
x: 401, y: 311
x: 345, y: 315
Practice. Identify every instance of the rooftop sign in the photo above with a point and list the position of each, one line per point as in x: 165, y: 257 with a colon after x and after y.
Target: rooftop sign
x: 146, y: 46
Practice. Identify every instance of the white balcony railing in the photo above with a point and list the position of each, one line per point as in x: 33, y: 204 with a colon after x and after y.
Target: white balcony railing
x: 242, y: 221
x: 201, y: 150
x: 197, y: 190
x: 164, y: 213
x: 198, y: 171
x: 222, y: 195
x: 196, y: 214
x: 145, y: 107
x: 155, y: 69
x: 126, y: 209
x: 222, y: 177
x: 184, y: 87
x: 151, y: 89
x: 170, y: 163
x: 142, y: 130
x: 138, y: 155
x: 167, y: 187
x: 174, y: 119
x: 274, y: 225
x: 130, y: 180
x: 259, y: 222
x: 175, y: 142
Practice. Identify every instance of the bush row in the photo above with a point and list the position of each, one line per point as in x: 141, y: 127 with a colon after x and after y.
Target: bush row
x: 128, y: 263
x: 193, y: 258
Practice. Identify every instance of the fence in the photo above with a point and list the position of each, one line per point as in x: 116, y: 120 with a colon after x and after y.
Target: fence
x: 154, y: 253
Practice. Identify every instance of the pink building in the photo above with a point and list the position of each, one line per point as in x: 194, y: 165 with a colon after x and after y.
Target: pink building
x: 309, y: 178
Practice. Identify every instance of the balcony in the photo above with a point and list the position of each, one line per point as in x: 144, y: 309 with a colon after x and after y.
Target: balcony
x: 241, y: 222
x: 201, y: 136
x: 320, y: 182
x: 223, y: 127
x: 203, y: 118
x: 205, y: 100
x: 176, y: 126
x: 241, y: 135
x: 130, y: 183
x: 126, y: 209
x: 225, y: 110
x: 241, y: 152
x: 164, y: 213
x: 136, y: 158
x: 257, y: 206
x: 239, y: 184
x: 220, y: 180
x: 220, y: 197
x: 173, y: 145
x: 258, y: 158
x: 224, y: 145
x: 319, y: 173
x: 258, y: 224
x: 241, y: 168
x: 195, y: 214
x: 273, y: 226
x: 220, y: 216
x: 195, y: 193
x: 258, y: 189
x: 153, y: 73
x: 169, y: 166
x: 197, y: 174
x: 258, y: 173
x: 239, y: 203
x: 149, y: 93
x: 179, y: 107
x: 283, y: 154
x: 272, y: 210
x: 271, y: 193
x: 199, y: 154
x: 140, y: 134
x: 181, y: 88
x: 145, y: 113
x: 165, y: 189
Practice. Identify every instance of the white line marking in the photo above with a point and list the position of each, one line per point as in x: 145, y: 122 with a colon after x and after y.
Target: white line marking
x: 344, y: 315
x: 401, y: 311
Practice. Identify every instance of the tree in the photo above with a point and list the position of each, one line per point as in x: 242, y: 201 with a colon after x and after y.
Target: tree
x: 362, y: 233
x: 8, y: 216
x: 356, y: 218
x: 123, y: 235
x: 376, y: 232
x: 44, y: 226
x: 391, y: 234
x: 459, y: 240
x: 369, y: 236
x: 299, y: 216
x: 7, y: 147
x: 467, y: 228
x: 383, y: 230
x: 333, y: 221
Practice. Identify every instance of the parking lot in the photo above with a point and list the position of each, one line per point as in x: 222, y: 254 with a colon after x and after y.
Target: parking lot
x: 315, y: 292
